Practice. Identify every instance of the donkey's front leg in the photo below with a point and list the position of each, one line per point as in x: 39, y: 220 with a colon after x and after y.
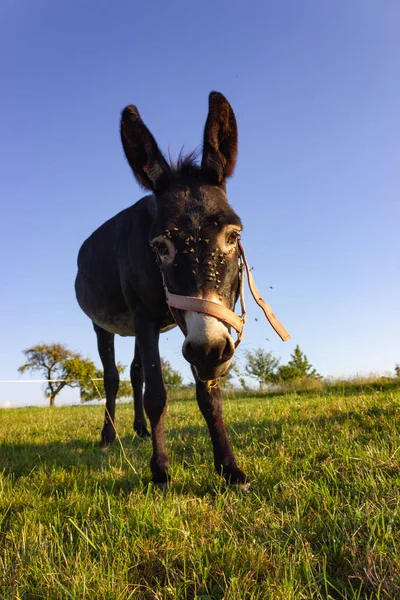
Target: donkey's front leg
x: 155, y: 396
x: 210, y: 402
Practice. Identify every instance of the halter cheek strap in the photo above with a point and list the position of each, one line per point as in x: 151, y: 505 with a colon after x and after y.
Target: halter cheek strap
x: 214, y: 309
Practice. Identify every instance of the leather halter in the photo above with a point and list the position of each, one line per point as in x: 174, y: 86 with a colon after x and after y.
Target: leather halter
x: 221, y: 312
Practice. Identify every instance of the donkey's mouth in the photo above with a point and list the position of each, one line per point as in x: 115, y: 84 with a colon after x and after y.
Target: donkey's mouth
x: 208, y: 346
x: 208, y: 373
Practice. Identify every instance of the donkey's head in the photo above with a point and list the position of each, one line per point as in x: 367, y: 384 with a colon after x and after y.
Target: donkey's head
x: 194, y: 231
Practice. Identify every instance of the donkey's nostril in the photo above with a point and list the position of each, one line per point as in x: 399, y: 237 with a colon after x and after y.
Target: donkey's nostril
x: 188, y: 352
x: 228, y: 351
x: 203, y: 354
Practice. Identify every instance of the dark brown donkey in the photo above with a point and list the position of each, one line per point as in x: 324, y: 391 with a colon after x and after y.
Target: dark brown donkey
x: 181, y: 238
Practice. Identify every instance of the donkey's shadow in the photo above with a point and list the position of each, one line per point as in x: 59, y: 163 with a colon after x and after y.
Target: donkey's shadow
x: 123, y: 466
x: 120, y: 468
x: 82, y: 458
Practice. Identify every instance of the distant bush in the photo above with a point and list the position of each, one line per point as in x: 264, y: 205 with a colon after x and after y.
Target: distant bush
x: 182, y: 392
x: 332, y: 387
x: 306, y: 385
x: 366, y: 384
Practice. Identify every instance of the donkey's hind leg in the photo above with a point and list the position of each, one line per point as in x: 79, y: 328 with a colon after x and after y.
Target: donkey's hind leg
x: 155, y: 395
x: 105, y: 345
x: 139, y: 423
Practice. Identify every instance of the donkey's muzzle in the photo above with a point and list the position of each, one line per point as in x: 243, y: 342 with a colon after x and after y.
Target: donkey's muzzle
x: 211, y: 358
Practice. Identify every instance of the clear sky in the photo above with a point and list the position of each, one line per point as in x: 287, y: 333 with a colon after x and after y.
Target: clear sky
x: 316, y: 90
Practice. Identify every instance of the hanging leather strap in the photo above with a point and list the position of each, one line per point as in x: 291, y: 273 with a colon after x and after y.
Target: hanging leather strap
x: 273, y: 321
x: 219, y: 311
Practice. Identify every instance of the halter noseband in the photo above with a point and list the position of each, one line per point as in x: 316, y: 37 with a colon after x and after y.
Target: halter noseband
x: 221, y: 312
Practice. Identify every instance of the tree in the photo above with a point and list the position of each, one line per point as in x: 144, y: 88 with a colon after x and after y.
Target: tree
x: 299, y: 367
x: 397, y: 370
x: 94, y: 390
x: 261, y: 365
x: 243, y: 383
x: 170, y: 376
x: 60, y: 365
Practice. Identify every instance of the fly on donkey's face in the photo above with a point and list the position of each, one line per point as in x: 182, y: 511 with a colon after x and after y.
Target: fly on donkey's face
x: 195, y: 232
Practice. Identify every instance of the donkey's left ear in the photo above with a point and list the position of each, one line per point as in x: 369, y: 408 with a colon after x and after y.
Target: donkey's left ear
x: 144, y: 156
x: 220, y: 139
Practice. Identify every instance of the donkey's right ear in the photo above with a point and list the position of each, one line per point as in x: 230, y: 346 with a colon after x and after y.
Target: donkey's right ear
x: 144, y: 156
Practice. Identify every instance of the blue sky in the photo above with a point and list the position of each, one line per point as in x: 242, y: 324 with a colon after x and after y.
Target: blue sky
x: 315, y: 87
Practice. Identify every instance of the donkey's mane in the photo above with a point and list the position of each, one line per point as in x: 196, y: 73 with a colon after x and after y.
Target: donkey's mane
x: 186, y: 164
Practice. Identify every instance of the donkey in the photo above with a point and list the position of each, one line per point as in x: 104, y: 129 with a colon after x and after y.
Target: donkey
x: 182, y: 239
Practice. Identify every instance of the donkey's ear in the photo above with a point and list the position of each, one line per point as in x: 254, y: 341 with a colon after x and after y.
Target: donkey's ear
x: 220, y: 139
x: 144, y: 156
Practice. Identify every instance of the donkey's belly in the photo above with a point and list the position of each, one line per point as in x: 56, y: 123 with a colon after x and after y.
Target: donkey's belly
x: 121, y: 323
x: 109, y: 311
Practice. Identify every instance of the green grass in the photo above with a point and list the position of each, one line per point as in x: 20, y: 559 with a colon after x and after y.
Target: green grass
x: 321, y: 519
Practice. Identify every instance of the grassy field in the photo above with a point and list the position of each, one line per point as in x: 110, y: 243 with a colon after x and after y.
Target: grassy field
x: 321, y: 519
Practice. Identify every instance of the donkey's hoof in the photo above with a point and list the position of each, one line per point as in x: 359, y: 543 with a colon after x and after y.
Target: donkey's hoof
x: 243, y: 487
x: 141, y: 431
x: 107, y: 441
x: 163, y: 486
x: 107, y: 437
x: 104, y: 445
x: 235, y: 477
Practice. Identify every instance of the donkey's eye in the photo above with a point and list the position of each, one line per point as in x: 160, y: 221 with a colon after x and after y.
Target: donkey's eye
x: 232, y: 237
x: 162, y: 249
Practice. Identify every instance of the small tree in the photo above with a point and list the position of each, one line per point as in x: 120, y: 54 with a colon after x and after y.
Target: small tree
x: 170, y: 376
x: 298, y: 367
x: 94, y: 390
x: 243, y: 383
x: 262, y: 366
x: 60, y: 365
x: 397, y: 370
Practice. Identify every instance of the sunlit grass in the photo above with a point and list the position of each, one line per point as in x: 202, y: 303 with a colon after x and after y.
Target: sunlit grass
x: 321, y: 519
